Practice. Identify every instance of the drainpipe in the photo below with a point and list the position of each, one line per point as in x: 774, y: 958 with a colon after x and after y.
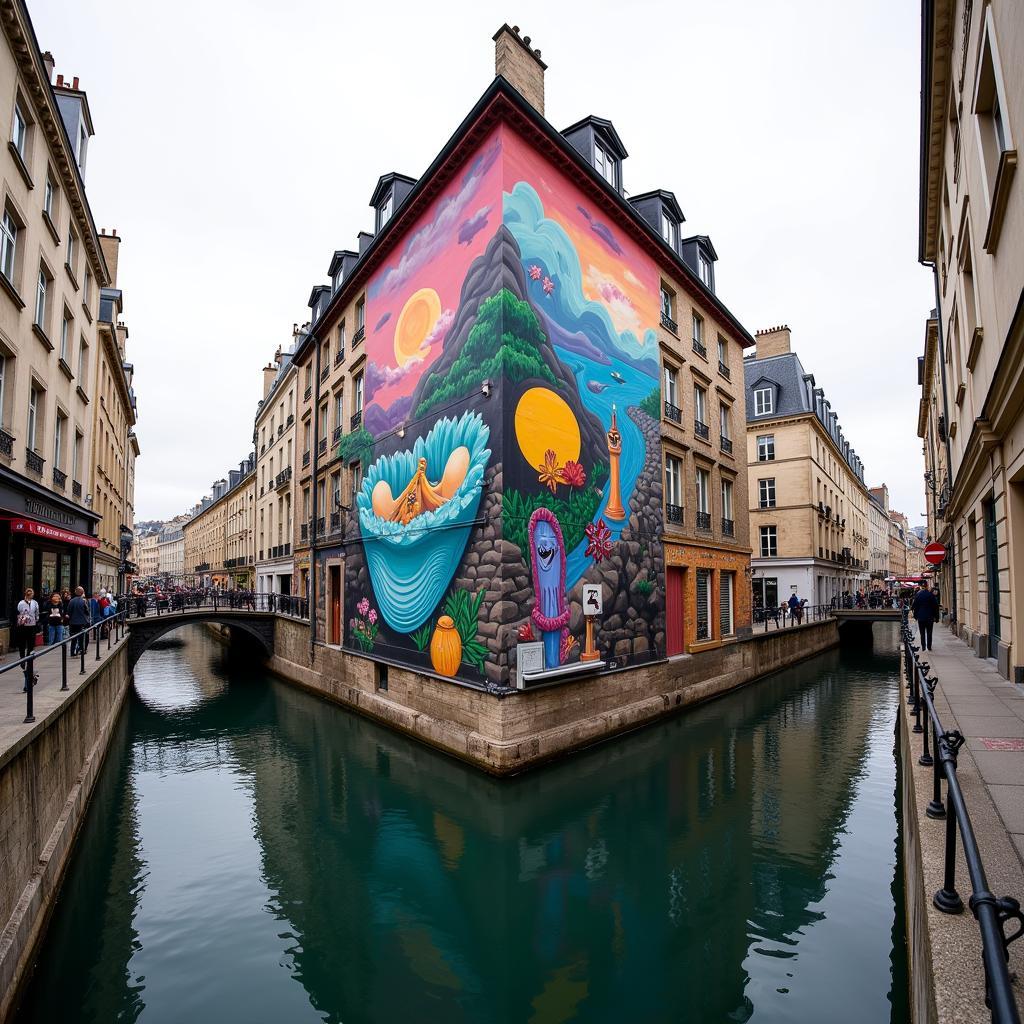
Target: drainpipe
x: 945, y: 414
x: 314, y: 488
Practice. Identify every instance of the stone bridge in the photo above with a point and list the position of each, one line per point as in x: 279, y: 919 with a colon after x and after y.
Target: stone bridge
x: 142, y: 632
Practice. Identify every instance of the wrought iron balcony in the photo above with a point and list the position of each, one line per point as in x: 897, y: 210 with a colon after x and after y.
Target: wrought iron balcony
x: 60, y: 480
x: 699, y: 348
x: 304, y: 531
x: 33, y: 461
x: 669, y: 324
x: 335, y: 521
x: 673, y: 413
x: 320, y: 524
x: 305, y: 459
x: 339, y: 357
x: 6, y: 444
x: 357, y: 420
x: 308, y: 393
x: 726, y: 444
x: 336, y: 436
x: 325, y: 371
x: 283, y: 479
x: 724, y: 370
x: 358, y: 336
x: 321, y: 446
x: 674, y: 514
x: 291, y: 419
x: 76, y: 489
x: 701, y: 429
x: 704, y: 521
x: 202, y: 567
x: 280, y: 429
x: 728, y: 527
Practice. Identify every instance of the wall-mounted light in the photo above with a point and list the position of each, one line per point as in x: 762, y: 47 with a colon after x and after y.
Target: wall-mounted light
x: 486, y: 388
x: 401, y: 430
x: 88, y: 501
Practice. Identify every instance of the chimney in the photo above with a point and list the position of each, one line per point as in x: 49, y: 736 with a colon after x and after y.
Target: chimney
x: 269, y: 373
x: 48, y: 63
x: 110, y: 245
x: 773, y: 342
x: 519, y: 64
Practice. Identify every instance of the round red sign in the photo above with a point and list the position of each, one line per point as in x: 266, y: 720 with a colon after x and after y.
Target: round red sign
x: 935, y: 553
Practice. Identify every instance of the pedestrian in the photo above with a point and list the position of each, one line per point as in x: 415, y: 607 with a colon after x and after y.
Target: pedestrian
x: 27, y: 623
x: 79, y: 619
x: 795, y: 608
x: 54, y: 620
x: 925, y: 609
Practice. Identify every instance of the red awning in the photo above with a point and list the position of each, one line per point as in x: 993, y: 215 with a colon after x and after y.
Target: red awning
x: 48, y: 532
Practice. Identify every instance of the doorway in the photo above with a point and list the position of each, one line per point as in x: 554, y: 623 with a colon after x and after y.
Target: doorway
x: 674, y: 640
x: 992, y: 576
x: 334, y: 589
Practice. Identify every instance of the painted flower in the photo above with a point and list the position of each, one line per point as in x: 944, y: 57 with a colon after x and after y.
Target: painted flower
x: 549, y: 286
x: 568, y: 645
x: 526, y: 633
x: 599, y: 541
x: 363, y: 607
x: 535, y: 272
x: 550, y: 473
x: 573, y: 474
x: 372, y: 616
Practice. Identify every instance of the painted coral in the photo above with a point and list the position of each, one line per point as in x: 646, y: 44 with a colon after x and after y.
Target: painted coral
x: 599, y: 541
x: 573, y: 474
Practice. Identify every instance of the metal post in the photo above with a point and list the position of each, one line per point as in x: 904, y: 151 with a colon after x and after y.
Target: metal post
x: 97, y: 628
x: 83, y: 643
x: 947, y: 899
x: 30, y: 682
x: 935, y: 808
x: 108, y: 638
x: 64, y: 665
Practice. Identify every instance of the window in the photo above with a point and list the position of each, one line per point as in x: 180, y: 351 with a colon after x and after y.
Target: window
x: 703, y: 604
x: 48, y: 197
x: 357, y: 477
x: 86, y: 286
x: 669, y: 230
x: 766, y: 448
x: 727, y: 499
x: 671, y: 387
x: 83, y: 140
x: 8, y: 245
x: 673, y: 481
x: 76, y: 455
x: 360, y: 314
x: 698, y: 334
x: 703, y: 488
x: 67, y: 325
x: 606, y: 164
x: 19, y: 131
x: 385, y: 210
x: 769, y: 542
x: 699, y: 404
x: 339, y: 411
x: 323, y: 421
x: 58, y: 440
x: 667, y: 304
x: 725, y: 591
x: 994, y: 131
x: 357, y: 382
x: 42, y: 298
x: 766, y: 492
x: 325, y: 356
x: 763, y: 401
x: 309, y: 375
x: 83, y: 361
x: 71, y: 248
x: 723, y: 421
x: 340, y: 354
x: 336, y: 490
x: 704, y: 269
x: 723, y: 353
x: 34, y: 403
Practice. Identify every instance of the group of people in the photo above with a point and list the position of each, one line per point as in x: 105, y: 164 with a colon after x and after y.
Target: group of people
x: 63, y: 616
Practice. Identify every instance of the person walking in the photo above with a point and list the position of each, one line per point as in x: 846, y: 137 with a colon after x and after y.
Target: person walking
x: 54, y: 620
x: 27, y: 623
x: 79, y: 620
x: 925, y: 609
x: 795, y: 608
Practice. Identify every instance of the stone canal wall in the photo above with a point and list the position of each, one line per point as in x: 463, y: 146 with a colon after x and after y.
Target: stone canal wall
x: 508, y: 733
x: 46, y: 779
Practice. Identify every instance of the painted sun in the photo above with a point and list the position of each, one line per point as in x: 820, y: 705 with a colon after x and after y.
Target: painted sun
x: 415, y: 322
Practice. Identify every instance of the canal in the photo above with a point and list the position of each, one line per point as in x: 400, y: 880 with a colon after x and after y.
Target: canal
x: 253, y: 854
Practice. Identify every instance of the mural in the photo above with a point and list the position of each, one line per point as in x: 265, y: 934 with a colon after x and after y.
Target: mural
x: 511, y: 407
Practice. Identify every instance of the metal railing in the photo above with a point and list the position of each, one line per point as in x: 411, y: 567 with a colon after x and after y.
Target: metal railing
x: 673, y: 412
x: 784, y: 618
x: 726, y: 444
x: 181, y: 603
x: 76, y: 646
x: 991, y: 912
x: 701, y: 429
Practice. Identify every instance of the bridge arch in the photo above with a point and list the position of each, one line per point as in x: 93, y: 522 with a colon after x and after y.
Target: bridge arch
x: 143, y: 632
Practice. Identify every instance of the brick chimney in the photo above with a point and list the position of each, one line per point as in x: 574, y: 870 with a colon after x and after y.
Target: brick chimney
x: 48, y: 63
x: 773, y: 342
x: 110, y: 245
x: 269, y: 373
x: 519, y: 64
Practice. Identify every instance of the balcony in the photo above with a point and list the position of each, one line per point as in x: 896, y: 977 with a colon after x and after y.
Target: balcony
x: 320, y: 524
x: 673, y: 413
x: 728, y: 527
x: 60, y: 480
x: 283, y: 479
x: 34, y: 462
x: 724, y: 370
x: 701, y: 430
x: 6, y: 444
x: 726, y: 444
x: 259, y: 558
x: 280, y: 430
x: 76, y: 489
x: 357, y: 420
x: 305, y: 459
x: 308, y: 393
x: 336, y: 436
x: 699, y: 348
x: 304, y: 531
x: 291, y: 419
x: 704, y: 521
x: 340, y: 357
x: 358, y: 336
x: 674, y: 514
x: 324, y: 372
x: 202, y: 567
x: 669, y: 324
x: 321, y: 446
x: 335, y: 521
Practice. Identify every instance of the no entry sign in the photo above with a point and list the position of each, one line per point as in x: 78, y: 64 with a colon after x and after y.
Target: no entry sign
x: 935, y: 553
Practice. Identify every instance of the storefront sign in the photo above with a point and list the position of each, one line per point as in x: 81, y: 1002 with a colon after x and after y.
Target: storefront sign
x: 53, y: 533
x: 44, y: 511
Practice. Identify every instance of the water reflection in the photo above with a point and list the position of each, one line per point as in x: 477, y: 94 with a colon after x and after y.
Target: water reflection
x: 258, y: 855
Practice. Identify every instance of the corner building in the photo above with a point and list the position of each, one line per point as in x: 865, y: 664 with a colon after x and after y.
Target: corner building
x: 480, y: 427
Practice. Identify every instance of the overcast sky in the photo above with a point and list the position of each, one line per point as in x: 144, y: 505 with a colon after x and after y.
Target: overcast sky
x: 237, y: 145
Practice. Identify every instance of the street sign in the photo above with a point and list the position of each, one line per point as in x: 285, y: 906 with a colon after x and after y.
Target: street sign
x: 935, y: 553
x: 592, y: 600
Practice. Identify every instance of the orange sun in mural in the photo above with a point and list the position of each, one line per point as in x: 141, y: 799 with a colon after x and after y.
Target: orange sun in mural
x: 415, y: 322
x: 545, y: 423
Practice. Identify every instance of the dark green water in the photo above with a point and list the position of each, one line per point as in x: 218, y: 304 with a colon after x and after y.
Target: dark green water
x: 255, y: 855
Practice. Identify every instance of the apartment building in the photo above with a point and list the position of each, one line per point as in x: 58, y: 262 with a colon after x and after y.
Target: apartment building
x: 51, y: 271
x: 147, y: 554
x: 899, y: 531
x: 972, y: 371
x: 239, y: 516
x: 218, y: 535
x: 274, y: 438
x: 171, y: 549
x: 115, y: 446
x: 809, y: 506
x: 510, y: 372
x: 879, y: 526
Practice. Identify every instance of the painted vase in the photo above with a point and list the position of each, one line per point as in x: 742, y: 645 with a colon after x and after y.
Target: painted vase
x: 446, y: 647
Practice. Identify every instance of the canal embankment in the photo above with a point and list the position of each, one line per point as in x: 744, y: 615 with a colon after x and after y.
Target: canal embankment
x: 48, y: 769
x: 945, y: 952
x: 507, y: 732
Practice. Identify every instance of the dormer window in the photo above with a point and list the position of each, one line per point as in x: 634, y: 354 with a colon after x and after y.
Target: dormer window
x: 384, y: 211
x: 764, y: 401
x: 606, y: 164
x: 704, y: 269
x: 669, y: 230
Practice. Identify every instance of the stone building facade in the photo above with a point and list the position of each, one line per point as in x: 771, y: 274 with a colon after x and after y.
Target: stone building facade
x: 217, y: 537
x: 147, y: 554
x: 972, y: 236
x: 809, y: 515
x: 171, y: 549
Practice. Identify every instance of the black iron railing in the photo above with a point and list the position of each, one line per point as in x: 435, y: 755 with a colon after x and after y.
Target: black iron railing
x: 305, y: 459
x: 724, y: 370
x: 336, y: 436
x: 6, y: 444
x: 304, y: 531
x: 991, y: 912
x: 701, y: 429
x: 699, y: 348
x: 308, y: 393
x: 728, y: 527
x: 669, y: 324
x: 60, y: 480
x: 358, y: 336
x: 726, y: 444
x: 283, y: 478
x: 357, y: 420
x: 321, y: 446
x: 673, y: 413
x: 33, y: 462
x: 674, y: 514
x: 139, y: 606
x: 785, y: 617
x: 704, y: 521
x: 76, y: 489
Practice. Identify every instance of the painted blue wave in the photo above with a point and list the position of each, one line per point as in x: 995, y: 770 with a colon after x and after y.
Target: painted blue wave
x: 412, y: 565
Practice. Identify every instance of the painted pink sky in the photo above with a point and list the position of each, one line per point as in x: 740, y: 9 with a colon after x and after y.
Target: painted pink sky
x: 436, y: 254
